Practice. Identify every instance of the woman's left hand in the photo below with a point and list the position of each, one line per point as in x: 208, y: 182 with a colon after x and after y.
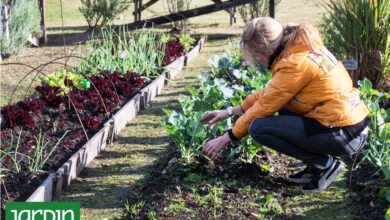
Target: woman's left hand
x: 216, y: 145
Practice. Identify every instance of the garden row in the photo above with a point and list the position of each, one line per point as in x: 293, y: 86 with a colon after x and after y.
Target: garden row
x: 51, y: 136
x: 227, y: 84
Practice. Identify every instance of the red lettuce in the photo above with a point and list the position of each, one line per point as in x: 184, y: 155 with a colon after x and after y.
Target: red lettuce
x: 14, y: 115
x: 91, y: 122
x: 51, y: 95
x: 33, y: 104
x: 173, y: 50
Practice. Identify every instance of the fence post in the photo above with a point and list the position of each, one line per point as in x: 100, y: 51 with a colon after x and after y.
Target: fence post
x: 233, y: 16
x: 4, y: 20
x: 43, y: 39
x: 272, y: 8
x: 137, y: 10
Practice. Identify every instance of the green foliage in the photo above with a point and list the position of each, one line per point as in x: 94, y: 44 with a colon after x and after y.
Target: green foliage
x: 134, y: 209
x: 165, y: 38
x: 379, y: 139
x: 188, y: 132
x: 233, y: 49
x: 270, y: 207
x: 140, y: 52
x: 229, y: 82
x: 256, y: 9
x: 176, y: 206
x: 59, y: 78
x: 40, y: 153
x: 360, y: 29
x: 99, y: 13
x: 25, y: 19
x: 13, y: 153
x: 152, y: 215
x: 385, y: 193
x: 187, y: 41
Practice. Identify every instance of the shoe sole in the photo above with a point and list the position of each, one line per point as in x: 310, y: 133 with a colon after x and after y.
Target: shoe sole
x: 328, y: 179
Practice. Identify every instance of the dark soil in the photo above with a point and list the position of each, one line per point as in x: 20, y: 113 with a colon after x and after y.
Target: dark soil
x: 207, y: 189
x: 238, y: 190
x: 366, y: 183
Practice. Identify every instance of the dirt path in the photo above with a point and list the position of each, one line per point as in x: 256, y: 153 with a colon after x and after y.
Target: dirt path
x: 104, y: 186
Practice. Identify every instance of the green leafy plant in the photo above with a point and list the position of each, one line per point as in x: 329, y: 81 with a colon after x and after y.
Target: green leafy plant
x: 360, y: 30
x: 99, y: 13
x: 65, y: 80
x: 187, y: 130
x: 229, y: 82
x: 152, y: 215
x: 25, y: 19
x: 42, y: 152
x: 214, y: 197
x: 187, y: 41
x: 269, y: 207
x: 177, y: 205
x: 378, y: 151
x: 134, y: 209
x: 14, y: 156
x: 140, y: 52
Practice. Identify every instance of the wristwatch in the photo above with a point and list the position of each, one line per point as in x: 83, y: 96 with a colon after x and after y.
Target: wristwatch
x: 230, y: 110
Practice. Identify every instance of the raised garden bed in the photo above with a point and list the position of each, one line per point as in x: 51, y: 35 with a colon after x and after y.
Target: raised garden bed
x: 53, y: 183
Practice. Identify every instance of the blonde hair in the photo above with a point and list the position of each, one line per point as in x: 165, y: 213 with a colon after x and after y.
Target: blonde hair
x: 264, y: 35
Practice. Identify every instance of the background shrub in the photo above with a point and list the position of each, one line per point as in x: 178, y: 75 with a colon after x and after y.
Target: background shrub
x: 359, y: 29
x: 25, y: 19
x: 99, y: 13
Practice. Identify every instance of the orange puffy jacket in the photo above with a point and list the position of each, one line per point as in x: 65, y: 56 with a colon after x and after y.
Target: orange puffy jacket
x: 313, y: 85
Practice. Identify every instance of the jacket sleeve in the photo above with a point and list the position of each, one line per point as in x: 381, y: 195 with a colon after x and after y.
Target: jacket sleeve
x: 250, y: 100
x: 287, y: 81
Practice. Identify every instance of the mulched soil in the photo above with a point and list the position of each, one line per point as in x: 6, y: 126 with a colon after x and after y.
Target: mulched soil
x: 232, y: 177
x: 172, y: 181
x: 366, y: 183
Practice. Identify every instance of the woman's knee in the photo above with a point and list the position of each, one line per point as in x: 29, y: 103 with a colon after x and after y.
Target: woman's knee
x: 257, y: 128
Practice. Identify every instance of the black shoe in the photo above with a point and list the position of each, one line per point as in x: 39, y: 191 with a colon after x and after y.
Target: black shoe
x: 321, y: 180
x: 303, y: 176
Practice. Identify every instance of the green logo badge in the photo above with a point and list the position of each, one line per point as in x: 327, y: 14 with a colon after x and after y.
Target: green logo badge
x: 42, y: 211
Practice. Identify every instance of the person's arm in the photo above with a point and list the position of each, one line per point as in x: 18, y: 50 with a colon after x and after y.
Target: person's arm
x: 287, y: 81
x: 250, y: 100
x: 219, y: 115
x: 237, y: 110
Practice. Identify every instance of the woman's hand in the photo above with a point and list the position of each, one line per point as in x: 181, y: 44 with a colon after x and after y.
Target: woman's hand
x: 216, y: 145
x: 216, y: 116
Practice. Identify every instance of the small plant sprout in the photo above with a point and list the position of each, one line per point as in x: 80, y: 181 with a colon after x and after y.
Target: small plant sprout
x: 134, y: 209
x: 12, y: 154
x: 40, y: 156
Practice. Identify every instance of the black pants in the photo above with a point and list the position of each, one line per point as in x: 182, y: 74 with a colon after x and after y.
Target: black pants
x: 286, y: 133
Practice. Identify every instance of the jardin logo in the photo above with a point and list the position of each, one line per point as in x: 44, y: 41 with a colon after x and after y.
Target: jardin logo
x: 42, y: 211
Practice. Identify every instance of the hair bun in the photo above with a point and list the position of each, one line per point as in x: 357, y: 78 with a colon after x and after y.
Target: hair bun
x: 249, y: 30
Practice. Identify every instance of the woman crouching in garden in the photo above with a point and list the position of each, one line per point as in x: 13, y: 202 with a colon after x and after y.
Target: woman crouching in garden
x: 320, y: 115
